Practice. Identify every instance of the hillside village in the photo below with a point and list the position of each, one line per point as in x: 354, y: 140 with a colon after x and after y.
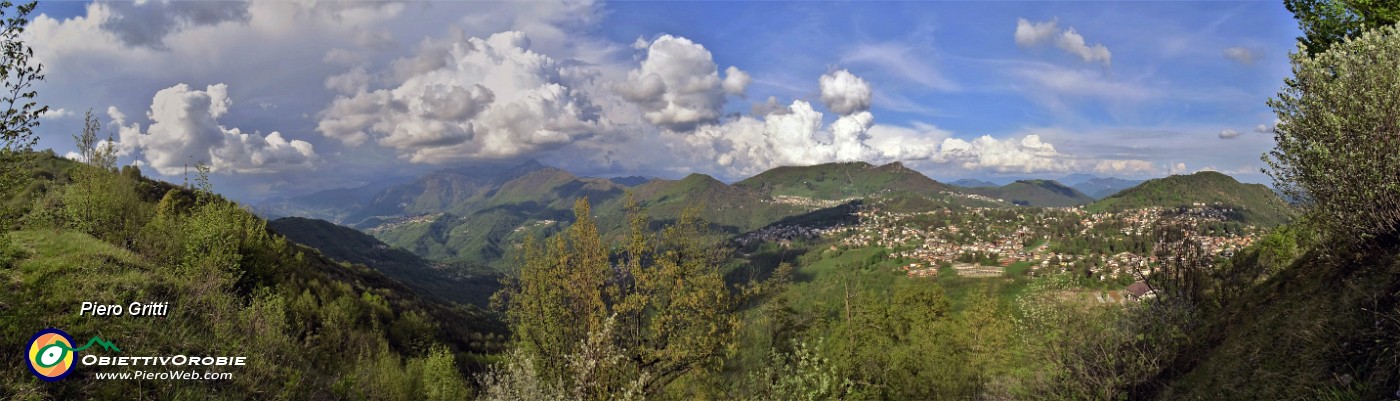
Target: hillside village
x: 982, y: 242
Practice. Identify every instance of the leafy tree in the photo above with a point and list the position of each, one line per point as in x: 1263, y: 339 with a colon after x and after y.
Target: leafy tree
x: 673, y: 312
x: 1328, y: 22
x: 1338, y: 141
x: 100, y: 201
x: 21, y: 112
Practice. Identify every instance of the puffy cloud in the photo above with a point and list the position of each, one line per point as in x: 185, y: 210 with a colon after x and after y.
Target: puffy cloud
x: 56, y: 114
x: 465, y: 98
x: 795, y: 135
x: 678, y: 85
x: 1240, y: 54
x: 736, y: 81
x: 1027, y: 155
x: 917, y: 142
x: 845, y: 93
x: 749, y: 145
x: 185, y: 129
x: 1128, y: 167
x: 116, y: 115
x: 1228, y: 134
x: 1073, y: 43
x: 1031, y: 34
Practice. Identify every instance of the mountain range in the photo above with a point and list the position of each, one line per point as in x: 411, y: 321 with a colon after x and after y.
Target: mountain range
x: 469, y: 218
x: 1094, y: 186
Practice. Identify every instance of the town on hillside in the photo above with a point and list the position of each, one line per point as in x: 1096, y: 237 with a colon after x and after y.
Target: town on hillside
x: 1111, y: 247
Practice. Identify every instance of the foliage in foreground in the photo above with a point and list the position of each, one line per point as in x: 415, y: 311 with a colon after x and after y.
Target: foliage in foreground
x: 309, y: 327
x: 1338, y: 140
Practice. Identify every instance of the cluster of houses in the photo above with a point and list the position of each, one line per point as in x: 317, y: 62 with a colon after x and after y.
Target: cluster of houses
x: 397, y: 222
x: 984, y: 231
x: 809, y: 202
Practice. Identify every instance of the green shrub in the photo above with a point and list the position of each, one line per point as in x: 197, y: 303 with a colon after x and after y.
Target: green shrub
x: 1338, y: 140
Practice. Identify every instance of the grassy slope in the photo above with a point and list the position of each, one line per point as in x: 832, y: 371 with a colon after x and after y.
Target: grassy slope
x: 1258, y: 204
x: 1317, y: 330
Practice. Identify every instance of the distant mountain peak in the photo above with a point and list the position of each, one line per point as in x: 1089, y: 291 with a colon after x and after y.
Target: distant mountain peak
x: 699, y: 177
x: 1076, y: 179
x: 630, y: 181
x: 974, y: 183
x: 1035, y: 192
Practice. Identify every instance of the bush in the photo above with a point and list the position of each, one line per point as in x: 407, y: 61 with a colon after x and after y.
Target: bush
x: 1338, y: 140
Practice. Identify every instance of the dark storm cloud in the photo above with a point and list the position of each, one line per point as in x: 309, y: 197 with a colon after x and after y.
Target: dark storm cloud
x: 147, y: 24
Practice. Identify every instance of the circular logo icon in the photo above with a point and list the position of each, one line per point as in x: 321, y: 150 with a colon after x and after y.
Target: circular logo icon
x: 51, y: 354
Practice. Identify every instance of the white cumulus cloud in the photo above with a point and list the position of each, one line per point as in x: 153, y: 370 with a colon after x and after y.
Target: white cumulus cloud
x: 1031, y: 34
x: 1027, y: 155
x: 464, y: 98
x: 678, y: 85
x: 736, y: 81
x: 795, y: 135
x: 845, y: 93
x: 1228, y: 134
x: 749, y: 145
x: 185, y: 129
x: 56, y: 114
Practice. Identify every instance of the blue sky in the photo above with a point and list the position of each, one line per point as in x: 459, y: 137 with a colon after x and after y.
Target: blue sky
x: 285, y: 98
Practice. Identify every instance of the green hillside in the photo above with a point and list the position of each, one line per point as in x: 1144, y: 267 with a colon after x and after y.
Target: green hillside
x: 840, y: 181
x: 452, y: 216
x: 1257, y: 204
x: 1314, y: 331
x: 310, y: 327
x: 540, y: 203
x: 1040, y: 193
x: 458, y: 283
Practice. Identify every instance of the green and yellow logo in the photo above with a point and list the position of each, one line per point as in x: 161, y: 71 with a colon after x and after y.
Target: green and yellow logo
x: 51, y: 353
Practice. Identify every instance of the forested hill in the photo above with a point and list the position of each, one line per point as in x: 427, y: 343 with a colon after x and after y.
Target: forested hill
x: 310, y: 327
x: 841, y: 180
x: 1044, y: 193
x: 1256, y: 203
x: 458, y: 283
